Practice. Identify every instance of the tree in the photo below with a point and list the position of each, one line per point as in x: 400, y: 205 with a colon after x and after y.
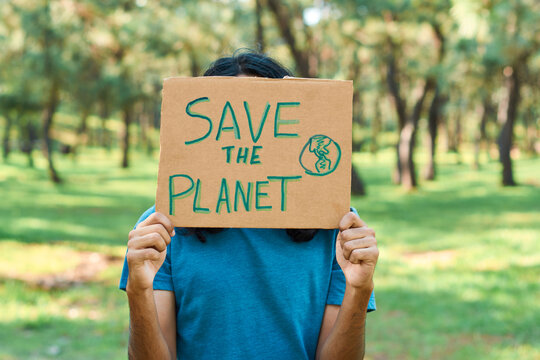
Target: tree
x: 407, y: 121
x: 438, y: 101
x: 285, y: 17
x: 46, y: 42
x: 514, y: 28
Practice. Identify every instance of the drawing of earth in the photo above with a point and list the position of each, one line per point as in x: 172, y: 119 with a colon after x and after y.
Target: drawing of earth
x: 320, y: 156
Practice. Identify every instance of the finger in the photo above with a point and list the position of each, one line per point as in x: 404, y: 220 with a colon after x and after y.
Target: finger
x: 356, y: 233
x: 140, y: 255
x: 350, y: 246
x: 155, y: 228
x: 158, y: 218
x: 152, y: 240
x: 350, y: 220
x: 366, y: 255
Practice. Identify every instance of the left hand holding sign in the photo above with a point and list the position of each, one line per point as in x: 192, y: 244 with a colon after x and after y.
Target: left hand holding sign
x: 356, y: 251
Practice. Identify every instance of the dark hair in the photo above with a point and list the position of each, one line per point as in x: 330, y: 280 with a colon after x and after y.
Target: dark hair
x: 251, y: 63
x: 247, y: 62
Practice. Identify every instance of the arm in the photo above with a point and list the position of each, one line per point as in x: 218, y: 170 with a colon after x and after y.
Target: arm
x: 152, y: 313
x: 342, y: 333
x: 152, y: 325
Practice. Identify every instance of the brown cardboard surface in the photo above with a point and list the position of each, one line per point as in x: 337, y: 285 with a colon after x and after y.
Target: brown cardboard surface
x: 301, y: 172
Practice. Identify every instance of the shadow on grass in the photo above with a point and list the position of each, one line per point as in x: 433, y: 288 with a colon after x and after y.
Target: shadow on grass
x: 86, y: 321
x: 438, y: 213
x: 41, y: 213
x: 93, y: 225
x: 443, y: 324
x: 61, y: 338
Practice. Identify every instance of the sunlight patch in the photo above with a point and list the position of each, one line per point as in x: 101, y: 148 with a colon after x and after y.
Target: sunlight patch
x: 51, y: 266
x: 439, y: 259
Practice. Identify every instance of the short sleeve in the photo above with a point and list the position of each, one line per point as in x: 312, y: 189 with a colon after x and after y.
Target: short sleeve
x: 163, y: 279
x: 336, y: 290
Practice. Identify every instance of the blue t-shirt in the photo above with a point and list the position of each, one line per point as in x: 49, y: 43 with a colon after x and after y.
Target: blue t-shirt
x: 249, y: 293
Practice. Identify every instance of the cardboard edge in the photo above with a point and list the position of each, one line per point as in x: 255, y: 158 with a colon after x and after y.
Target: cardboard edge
x: 253, y: 79
x: 340, y: 82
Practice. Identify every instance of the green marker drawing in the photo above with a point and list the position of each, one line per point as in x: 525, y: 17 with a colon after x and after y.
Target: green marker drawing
x: 259, y: 195
x: 284, y: 180
x: 197, y: 200
x: 246, y: 195
x: 174, y: 196
x: 279, y: 121
x: 234, y: 126
x: 223, y: 197
x: 320, y: 156
x: 255, y: 137
x: 200, y: 116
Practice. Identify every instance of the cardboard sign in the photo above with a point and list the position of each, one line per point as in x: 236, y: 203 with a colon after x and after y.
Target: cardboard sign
x: 255, y: 152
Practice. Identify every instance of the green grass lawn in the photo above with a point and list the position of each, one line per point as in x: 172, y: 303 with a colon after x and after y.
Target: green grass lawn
x: 458, y: 275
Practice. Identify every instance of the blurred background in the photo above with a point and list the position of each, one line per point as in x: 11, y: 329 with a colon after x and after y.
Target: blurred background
x: 446, y: 167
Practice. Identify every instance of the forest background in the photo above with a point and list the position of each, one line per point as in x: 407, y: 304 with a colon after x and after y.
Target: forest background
x: 446, y: 123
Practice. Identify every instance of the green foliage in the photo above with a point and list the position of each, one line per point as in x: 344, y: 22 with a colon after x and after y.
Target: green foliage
x: 459, y: 257
x: 109, y: 57
x: 455, y: 280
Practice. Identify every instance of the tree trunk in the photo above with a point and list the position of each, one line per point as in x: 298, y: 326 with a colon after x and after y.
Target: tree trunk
x: 357, y: 185
x: 82, y: 131
x: 444, y: 136
x: 405, y: 170
x: 394, y: 88
x: 5, y: 140
x: 375, y: 126
x: 480, y: 139
x: 148, y: 130
x: 103, y: 139
x: 531, y: 131
x: 407, y: 140
x: 450, y: 129
x: 283, y: 20
x: 47, y: 120
x: 47, y: 115
x: 454, y: 134
x: 436, y: 104
x: 405, y: 149
x: 127, y: 117
x: 396, y: 174
x: 357, y: 117
x: 194, y: 64
x: 507, y: 115
x: 433, y: 125
x: 458, y: 135
x: 478, y: 142
x: 28, y: 138
x: 260, y: 29
x: 399, y: 104
x: 145, y: 124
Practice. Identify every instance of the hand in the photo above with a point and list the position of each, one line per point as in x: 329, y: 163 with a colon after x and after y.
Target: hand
x: 147, y: 248
x: 356, y: 251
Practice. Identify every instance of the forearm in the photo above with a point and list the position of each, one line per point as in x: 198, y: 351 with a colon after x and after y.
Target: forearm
x: 146, y: 340
x: 347, y: 338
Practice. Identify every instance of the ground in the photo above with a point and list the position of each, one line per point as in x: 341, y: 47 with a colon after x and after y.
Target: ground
x: 457, y: 276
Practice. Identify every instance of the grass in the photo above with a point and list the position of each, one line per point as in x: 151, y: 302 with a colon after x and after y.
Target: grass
x: 457, y: 276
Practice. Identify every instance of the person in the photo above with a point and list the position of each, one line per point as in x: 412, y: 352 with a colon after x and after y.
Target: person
x: 248, y: 293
